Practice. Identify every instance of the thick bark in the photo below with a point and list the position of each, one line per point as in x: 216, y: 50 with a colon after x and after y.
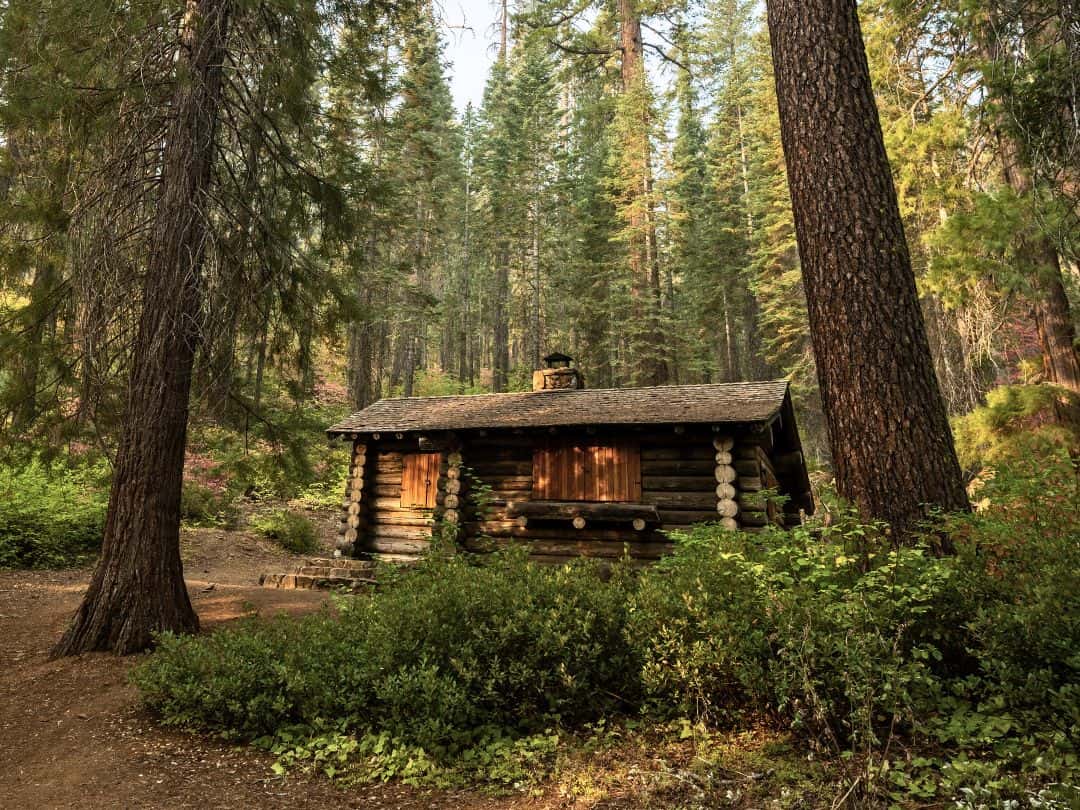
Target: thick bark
x: 260, y: 360
x: 361, y: 350
x: 40, y: 319
x: 138, y: 588
x: 892, y: 449
x: 1057, y: 334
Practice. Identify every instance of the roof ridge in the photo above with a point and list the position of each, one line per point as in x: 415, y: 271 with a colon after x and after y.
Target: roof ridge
x: 741, y: 401
x: 547, y: 391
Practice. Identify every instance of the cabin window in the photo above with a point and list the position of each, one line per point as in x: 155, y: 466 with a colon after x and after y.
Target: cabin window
x: 419, y: 477
x: 577, y: 471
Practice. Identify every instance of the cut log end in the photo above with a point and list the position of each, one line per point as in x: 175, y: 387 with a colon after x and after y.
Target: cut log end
x: 579, y: 522
x: 727, y: 508
x: 725, y: 474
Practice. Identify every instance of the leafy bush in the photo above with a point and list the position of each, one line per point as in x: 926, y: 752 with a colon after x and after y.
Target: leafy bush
x: 450, y: 650
x: 700, y: 619
x: 835, y: 640
x: 289, y: 530
x: 1018, y: 422
x: 205, y: 506
x: 1017, y: 580
x: 831, y: 631
x: 50, y: 516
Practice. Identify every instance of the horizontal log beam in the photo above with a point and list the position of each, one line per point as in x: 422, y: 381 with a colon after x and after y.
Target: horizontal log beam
x: 687, y: 500
x: 669, y: 517
x: 695, y: 453
x: 678, y: 483
x: 676, y: 467
x: 393, y: 545
x: 484, y: 468
x: 400, y: 532
x: 401, y: 519
x: 389, y: 504
x: 580, y: 548
x: 753, y: 519
x: 568, y: 510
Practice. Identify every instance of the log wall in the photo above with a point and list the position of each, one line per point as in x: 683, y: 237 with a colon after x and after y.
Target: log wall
x: 677, y: 476
x: 388, y: 530
x: 690, y: 474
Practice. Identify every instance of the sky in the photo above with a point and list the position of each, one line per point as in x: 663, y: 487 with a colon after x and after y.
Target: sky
x: 469, y: 36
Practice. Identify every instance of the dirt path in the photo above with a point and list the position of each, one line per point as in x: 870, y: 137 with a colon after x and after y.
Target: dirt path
x: 72, y: 734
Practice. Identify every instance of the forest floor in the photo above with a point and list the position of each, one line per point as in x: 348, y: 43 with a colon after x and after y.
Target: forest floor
x: 72, y: 733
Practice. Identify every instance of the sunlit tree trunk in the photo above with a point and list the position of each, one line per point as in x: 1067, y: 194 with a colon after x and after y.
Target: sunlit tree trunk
x: 643, y: 257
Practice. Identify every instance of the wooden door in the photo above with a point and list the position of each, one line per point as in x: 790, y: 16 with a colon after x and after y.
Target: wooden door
x: 419, y: 480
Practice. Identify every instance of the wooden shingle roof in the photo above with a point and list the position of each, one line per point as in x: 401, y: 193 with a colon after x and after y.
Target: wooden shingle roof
x: 715, y: 404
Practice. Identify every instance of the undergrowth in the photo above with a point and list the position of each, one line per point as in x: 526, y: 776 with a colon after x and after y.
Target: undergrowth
x: 926, y: 678
x: 52, y: 514
x: 293, y: 532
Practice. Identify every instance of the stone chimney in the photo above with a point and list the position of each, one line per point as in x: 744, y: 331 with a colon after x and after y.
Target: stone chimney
x: 557, y: 374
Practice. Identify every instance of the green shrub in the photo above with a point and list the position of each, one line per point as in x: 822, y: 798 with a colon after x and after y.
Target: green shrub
x: 507, y: 643
x: 450, y: 649
x: 1019, y: 422
x: 1017, y: 578
x: 834, y: 632
x: 289, y: 530
x: 50, y: 516
x: 828, y: 630
x: 856, y: 651
x: 204, y: 506
x: 701, y: 622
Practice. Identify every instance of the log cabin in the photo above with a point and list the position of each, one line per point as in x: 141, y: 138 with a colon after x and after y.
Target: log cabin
x: 570, y: 471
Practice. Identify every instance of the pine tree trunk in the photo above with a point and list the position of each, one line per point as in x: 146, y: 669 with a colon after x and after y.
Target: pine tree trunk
x: 1050, y: 307
x: 40, y: 321
x: 892, y: 449
x: 650, y: 366
x: 260, y: 360
x: 500, y: 361
x: 138, y: 587
x: 408, y: 362
x: 306, y: 357
x: 756, y: 365
x: 361, y: 351
x: 1057, y: 333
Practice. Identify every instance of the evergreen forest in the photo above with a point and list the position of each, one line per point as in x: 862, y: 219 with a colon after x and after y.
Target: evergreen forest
x: 226, y: 225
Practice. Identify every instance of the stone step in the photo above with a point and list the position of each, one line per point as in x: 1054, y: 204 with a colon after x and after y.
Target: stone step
x: 335, y: 571
x: 322, y: 582
x: 339, y: 562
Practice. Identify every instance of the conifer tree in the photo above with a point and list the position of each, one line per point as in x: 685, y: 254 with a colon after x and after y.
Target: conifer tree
x: 138, y: 586
x: 891, y: 445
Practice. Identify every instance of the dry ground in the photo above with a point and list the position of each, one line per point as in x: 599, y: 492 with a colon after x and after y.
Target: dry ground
x: 72, y: 734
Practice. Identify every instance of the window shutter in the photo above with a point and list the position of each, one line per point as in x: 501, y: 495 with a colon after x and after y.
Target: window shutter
x: 419, y: 480
x: 572, y: 472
